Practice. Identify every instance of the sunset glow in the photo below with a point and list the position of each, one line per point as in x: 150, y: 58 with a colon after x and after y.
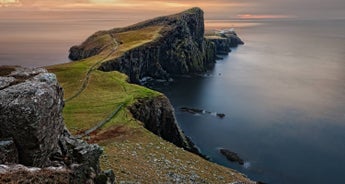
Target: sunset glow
x: 252, y: 16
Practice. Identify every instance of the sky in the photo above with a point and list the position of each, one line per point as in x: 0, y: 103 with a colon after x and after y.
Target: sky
x: 215, y: 9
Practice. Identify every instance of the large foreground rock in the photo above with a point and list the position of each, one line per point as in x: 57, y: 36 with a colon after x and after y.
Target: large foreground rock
x: 31, y: 114
x: 31, y: 103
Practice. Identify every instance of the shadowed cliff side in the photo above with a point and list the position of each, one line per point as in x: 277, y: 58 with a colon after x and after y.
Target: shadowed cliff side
x: 158, y: 116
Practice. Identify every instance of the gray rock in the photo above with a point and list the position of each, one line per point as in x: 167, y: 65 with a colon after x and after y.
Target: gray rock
x: 8, y: 152
x: 6, y: 81
x: 31, y: 114
x: 158, y: 116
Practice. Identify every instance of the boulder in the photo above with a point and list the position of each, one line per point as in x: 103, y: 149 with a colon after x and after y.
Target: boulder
x: 33, y: 136
x: 31, y: 113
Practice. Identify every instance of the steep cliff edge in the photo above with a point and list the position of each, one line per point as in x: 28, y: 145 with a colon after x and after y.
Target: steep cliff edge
x: 224, y: 41
x: 180, y: 48
x: 158, y: 116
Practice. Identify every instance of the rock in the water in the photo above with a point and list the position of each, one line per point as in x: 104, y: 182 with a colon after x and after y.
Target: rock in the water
x: 31, y: 114
x: 220, y: 115
x: 8, y: 152
x: 231, y: 156
x: 191, y: 110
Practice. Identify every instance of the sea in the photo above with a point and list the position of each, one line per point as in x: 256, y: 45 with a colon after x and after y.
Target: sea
x: 282, y: 92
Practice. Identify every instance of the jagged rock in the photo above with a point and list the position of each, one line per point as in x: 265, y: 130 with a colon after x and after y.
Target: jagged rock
x: 31, y: 106
x: 181, y: 48
x: 222, y: 44
x: 231, y: 156
x: 31, y: 114
x: 225, y: 41
x: 158, y: 116
x: 83, y: 158
x: 8, y: 152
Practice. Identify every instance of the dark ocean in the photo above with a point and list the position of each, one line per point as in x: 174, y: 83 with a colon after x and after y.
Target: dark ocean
x: 283, y: 94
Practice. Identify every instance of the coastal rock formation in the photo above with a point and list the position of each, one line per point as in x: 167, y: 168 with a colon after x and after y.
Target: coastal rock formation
x: 158, y: 116
x: 231, y: 156
x: 225, y: 41
x: 180, y: 49
x: 31, y: 103
x: 201, y: 111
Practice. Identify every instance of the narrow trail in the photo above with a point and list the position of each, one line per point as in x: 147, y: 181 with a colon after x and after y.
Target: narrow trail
x: 84, y: 85
x: 101, y: 123
x: 91, y: 69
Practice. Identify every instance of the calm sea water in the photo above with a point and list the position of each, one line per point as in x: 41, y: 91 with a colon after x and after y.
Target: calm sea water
x: 283, y: 92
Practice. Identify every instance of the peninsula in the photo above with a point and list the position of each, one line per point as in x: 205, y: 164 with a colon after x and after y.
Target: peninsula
x: 135, y: 126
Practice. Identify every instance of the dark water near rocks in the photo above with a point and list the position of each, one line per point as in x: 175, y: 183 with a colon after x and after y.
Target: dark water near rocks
x: 283, y: 94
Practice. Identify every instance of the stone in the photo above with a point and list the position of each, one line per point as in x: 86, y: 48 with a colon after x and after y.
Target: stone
x: 32, y: 123
x: 6, y: 81
x: 8, y: 152
x: 31, y: 114
x: 231, y: 156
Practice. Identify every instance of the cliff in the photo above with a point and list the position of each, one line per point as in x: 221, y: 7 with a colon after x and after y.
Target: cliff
x: 158, y: 116
x: 141, y: 138
x: 180, y: 48
x: 33, y: 133
x: 224, y: 41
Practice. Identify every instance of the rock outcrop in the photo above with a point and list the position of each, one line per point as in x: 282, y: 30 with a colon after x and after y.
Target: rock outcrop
x: 181, y: 48
x: 158, y: 116
x: 33, y: 132
x: 231, y: 156
x: 225, y: 41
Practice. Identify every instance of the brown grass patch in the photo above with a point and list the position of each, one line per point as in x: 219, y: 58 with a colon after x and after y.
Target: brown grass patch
x: 109, y: 134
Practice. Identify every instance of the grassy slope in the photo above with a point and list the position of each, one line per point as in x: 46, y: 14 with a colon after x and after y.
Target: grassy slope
x: 134, y: 153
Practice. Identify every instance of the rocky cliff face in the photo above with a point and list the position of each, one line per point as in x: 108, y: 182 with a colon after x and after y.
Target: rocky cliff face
x: 33, y: 132
x: 225, y: 41
x: 158, y: 116
x: 181, y: 48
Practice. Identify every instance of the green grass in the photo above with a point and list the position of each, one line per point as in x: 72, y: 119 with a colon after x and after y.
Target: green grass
x: 135, y: 38
x: 119, y: 137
